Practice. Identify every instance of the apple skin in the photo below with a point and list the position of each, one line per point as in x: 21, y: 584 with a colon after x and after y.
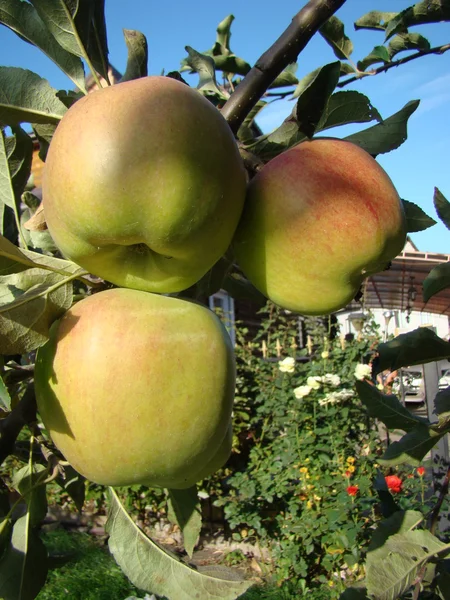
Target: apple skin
x: 138, y: 388
x: 318, y: 220
x: 144, y: 185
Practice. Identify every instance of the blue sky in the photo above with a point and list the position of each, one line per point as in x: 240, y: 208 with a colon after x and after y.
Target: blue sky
x: 415, y: 168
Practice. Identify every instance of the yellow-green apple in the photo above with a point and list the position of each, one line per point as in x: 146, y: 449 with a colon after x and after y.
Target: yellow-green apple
x: 144, y: 185
x: 318, y: 219
x: 135, y: 387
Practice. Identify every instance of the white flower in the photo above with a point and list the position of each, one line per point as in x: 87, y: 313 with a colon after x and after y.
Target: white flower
x: 287, y: 365
x: 344, y: 394
x: 314, y: 382
x: 363, y: 371
x: 332, y: 379
x: 302, y: 391
x: 325, y: 354
x: 329, y: 399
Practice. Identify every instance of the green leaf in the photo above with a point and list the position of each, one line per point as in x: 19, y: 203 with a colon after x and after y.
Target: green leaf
x: 416, y: 218
x: 204, y: 66
x: 73, y: 484
x: 333, y: 33
x: 27, y: 98
x: 29, y: 303
x: 184, y: 511
x: 246, y: 133
x: 44, y: 135
x: 388, y: 135
x: 151, y: 568
x: 408, y: 551
x: 437, y: 280
x: 91, y: 27
x: 442, y: 403
x: 15, y: 167
x: 407, y: 41
x: 442, y: 582
x: 378, y: 54
x: 286, y: 78
x: 224, y: 35
x: 5, y: 398
x: 28, y: 481
x: 22, y: 18
x: 442, y: 206
x: 137, y: 55
x: 313, y: 93
x: 5, y: 533
x: 387, y: 408
x: 78, y: 26
x: 428, y: 11
x: 412, y: 448
x: 23, y: 565
x: 28, y: 258
x: 375, y: 19
x: 400, y: 522
x: 414, y: 348
x: 348, y: 107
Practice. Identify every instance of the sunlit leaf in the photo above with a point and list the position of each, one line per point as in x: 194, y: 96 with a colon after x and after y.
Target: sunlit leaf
x: 407, y: 41
x: 29, y: 303
x: 152, y: 569
x: 375, y: 19
x: 204, y: 66
x: 22, y: 18
x: 333, y: 32
x: 428, y: 11
x: 27, y: 98
x: 378, y: 54
x: 137, y: 55
x: 5, y: 398
x: 185, y: 511
x: 407, y: 552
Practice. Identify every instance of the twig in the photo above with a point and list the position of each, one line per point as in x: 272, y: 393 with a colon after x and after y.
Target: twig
x: 10, y: 427
x: 283, y: 52
x: 395, y: 63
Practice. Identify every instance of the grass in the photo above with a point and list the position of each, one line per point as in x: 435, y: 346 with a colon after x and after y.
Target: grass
x: 84, y: 570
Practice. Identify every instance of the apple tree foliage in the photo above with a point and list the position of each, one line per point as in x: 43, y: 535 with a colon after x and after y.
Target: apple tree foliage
x: 37, y: 286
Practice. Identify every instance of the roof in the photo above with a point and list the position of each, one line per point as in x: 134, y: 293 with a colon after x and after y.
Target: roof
x: 400, y: 286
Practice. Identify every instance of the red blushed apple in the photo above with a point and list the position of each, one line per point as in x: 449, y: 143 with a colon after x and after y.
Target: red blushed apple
x: 138, y: 388
x: 318, y: 220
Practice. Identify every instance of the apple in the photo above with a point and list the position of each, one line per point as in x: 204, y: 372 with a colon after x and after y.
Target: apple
x: 144, y: 185
x: 318, y: 219
x: 138, y: 388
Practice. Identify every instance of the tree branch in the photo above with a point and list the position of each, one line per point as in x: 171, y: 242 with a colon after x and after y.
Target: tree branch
x: 283, y: 52
x: 10, y: 427
x: 395, y: 63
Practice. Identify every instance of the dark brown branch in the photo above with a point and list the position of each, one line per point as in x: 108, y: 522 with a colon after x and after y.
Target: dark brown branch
x: 395, y: 63
x: 283, y: 52
x: 10, y: 427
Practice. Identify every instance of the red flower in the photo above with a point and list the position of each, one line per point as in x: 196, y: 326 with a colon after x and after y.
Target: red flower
x: 348, y: 474
x: 352, y: 490
x: 394, y: 483
x: 421, y: 471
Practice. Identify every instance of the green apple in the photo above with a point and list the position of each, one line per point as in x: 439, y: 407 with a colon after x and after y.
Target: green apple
x: 318, y: 219
x: 136, y: 387
x: 144, y: 184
